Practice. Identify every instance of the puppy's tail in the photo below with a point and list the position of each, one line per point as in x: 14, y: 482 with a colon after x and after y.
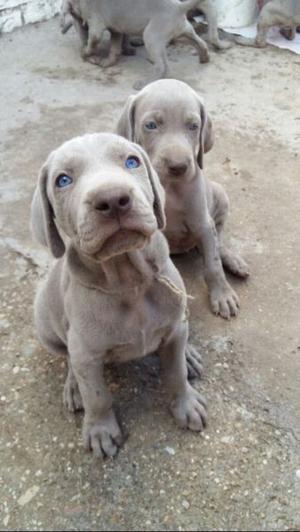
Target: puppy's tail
x: 244, y: 41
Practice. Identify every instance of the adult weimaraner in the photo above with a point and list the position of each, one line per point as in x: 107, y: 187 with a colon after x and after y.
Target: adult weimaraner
x: 283, y: 13
x: 169, y: 120
x: 158, y: 21
x: 113, y: 294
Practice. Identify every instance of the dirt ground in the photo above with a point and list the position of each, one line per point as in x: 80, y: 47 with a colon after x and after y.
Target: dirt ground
x: 243, y: 472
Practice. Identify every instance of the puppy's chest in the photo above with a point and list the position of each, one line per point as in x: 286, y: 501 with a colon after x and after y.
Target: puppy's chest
x: 177, y: 232
x: 135, y: 327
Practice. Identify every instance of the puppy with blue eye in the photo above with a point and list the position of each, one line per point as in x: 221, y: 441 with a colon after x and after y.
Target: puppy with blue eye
x: 113, y: 294
x: 169, y: 120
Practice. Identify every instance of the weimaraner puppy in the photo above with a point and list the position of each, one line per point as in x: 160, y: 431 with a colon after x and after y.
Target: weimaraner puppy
x: 169, y: 120
x: 158, y: 21
x: 113, y: 294
x: 283, y: 13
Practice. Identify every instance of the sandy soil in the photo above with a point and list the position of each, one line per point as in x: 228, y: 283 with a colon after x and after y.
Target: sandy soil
x: 243, y: 472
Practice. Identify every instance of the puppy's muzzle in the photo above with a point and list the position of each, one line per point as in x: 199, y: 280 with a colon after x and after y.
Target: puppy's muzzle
x: 113, y: 204
x: 177, y: 167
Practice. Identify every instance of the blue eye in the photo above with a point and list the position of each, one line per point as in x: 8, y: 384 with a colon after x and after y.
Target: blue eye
x: 132, y: 162
x: 193, y: 127
x: 63, y: 180
x: 151, y: 125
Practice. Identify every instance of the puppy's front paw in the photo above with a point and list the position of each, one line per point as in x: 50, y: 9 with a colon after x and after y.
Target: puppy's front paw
x: 194, y: 362
x: 224, y: 301
x: 104, y: 437
x: 189, y: 410
x: 235, y: 264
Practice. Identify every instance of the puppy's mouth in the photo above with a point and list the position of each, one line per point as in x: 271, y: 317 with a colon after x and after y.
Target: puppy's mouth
x: 122, y: 241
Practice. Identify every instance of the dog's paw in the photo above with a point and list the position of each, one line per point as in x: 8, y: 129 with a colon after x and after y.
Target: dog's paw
x: 108, y: 61
x: 71, y: 396
x: 260, y: 43
x: 222, y: 45
x: 224, y: 301
x: 194, y: 362
x: 92, y: 59
x: 204, y: 56
x: 103, y: 438
x: 235, y: 264
x: 189, y: 410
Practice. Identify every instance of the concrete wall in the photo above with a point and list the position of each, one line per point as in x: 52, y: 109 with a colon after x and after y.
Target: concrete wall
x: 16, y: 13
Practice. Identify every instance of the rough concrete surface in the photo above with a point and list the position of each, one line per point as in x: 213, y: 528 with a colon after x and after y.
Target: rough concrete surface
x: 243, y: 472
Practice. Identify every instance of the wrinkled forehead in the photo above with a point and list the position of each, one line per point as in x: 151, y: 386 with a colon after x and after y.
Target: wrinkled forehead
x: 90, y: 151
x: 173, y: 100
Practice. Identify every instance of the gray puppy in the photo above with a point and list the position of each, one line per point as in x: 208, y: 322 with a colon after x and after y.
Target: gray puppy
x: 158, y: 21
x: 113, y: 294
x: 169, y: 120
x: 283, y: 13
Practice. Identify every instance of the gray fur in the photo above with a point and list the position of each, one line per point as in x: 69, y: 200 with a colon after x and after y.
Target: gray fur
x: 196, y: 208
x: 282, y: 13
x: 113, y: 294
x: 158, y: 21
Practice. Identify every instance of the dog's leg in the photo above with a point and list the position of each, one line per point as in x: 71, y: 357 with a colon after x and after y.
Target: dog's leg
x: 219, y: 212
x: 115, y: 50
x: 155, y: 45
x: 126, y: 48
x: 224, y: 301
x: 82, y: 31
x: 197, y: 42
x: 101, y: 432
x: 288, y: 33
x: 89, y: 51
x: 212, y: 20
x: 187, y: 405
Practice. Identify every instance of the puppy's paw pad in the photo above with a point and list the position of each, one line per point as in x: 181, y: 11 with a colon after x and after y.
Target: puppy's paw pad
x: 224, y: 302
x: 103, y: 438
x: 189, y: 410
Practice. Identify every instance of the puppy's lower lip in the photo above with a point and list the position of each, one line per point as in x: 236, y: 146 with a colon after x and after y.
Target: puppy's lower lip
x: 122, y: 241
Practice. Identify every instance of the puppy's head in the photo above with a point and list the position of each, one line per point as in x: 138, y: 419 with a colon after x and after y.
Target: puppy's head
x: 100, y: 192
x: 170, y: 121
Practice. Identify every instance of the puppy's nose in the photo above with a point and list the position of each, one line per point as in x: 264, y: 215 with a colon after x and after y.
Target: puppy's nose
x: 113, y: 205
x: 177, y: 169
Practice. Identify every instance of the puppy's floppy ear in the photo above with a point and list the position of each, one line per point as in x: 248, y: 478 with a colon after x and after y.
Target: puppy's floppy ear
x: 42, y: 217
x: 206, y: 139
x: 157, y: 188
x: 125, y: 125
